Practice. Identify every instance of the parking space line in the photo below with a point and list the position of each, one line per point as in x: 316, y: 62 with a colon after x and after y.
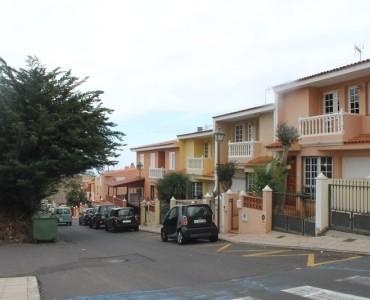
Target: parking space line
x: 311, y: 260
x: 224, y: 247
x: 266, y: 253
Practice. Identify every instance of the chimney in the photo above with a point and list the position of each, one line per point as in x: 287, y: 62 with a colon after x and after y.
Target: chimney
x: 199, y: 129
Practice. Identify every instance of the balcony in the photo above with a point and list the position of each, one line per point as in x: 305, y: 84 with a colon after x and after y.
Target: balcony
x: 156, y: 173
x: 199, y: 165
x: 321, y: 125
x: 242, y: 152
x: 330, y: 128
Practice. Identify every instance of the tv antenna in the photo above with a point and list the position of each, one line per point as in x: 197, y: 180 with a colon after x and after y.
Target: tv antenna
x: 359, y: 50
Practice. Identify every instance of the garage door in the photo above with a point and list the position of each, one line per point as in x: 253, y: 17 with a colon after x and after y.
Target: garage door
x: 238, y: 185
x: 356, y: 167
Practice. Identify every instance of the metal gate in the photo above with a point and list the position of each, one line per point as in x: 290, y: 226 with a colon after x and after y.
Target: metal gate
x: 294, y: 213
x: 349, y: 203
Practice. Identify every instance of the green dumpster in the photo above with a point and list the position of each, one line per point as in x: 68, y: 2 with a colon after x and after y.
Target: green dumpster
x: 44, y: 227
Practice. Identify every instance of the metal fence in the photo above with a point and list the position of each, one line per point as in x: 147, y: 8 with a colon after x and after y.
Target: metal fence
x: 349, y: 203
x: 294, y: 213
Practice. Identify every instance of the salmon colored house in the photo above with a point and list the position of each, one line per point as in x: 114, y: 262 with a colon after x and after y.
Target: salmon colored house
x: 156, y: 160
x: 247, y: 132
x: 197, y: 159
x: 331, y: 111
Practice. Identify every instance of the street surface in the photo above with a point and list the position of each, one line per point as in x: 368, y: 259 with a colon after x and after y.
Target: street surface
x: 93, y: 264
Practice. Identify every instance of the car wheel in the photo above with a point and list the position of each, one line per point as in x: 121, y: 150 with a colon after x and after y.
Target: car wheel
x: 180, y: 238
x: 164, y: 236
x: 214, y: 238
x: 136, y: 228
x: 70, y: 224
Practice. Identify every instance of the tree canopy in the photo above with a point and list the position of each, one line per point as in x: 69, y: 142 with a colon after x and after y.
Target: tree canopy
x: 50, y: 129
x: 75, y: 193
x: 173, y: 185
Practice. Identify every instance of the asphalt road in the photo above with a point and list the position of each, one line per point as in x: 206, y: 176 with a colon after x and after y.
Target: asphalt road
x: 93, y: 264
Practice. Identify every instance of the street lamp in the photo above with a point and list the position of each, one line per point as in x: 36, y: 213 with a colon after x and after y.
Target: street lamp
x: 219, y: 137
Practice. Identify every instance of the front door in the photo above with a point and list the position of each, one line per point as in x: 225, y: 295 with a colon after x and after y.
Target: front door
x: 234, y: 215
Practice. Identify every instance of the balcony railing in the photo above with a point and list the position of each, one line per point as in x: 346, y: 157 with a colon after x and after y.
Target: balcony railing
x: 156, y: 172
x: 321, y: 125
x: 241, y: 149
x: 198, y: 165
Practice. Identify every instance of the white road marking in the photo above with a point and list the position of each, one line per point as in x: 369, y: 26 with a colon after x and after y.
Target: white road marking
x: 245, y: 298
x: 356, y: 279
x: 314, y: 293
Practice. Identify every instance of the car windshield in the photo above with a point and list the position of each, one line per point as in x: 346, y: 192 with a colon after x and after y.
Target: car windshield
x: 124, y: 212
x: 199, y: 211
x: 61, y: 211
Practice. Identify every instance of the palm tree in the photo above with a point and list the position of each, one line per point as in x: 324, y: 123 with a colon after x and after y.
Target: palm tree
x: 287, y: 135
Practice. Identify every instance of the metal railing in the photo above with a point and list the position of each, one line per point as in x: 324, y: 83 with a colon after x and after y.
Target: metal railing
x: 294, y: 204
x: 156, y: 172
x: 321, y: 125
x: 241, y: 149
x: 350, y: 195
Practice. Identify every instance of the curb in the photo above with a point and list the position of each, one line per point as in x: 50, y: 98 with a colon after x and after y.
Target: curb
x: 266, y: 244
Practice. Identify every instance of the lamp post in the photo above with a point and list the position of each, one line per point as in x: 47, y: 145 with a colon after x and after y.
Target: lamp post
x: 219, y: 137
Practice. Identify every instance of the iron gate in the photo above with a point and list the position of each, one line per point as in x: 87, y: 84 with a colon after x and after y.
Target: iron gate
x: 349, y: 203
x: 294, y: 213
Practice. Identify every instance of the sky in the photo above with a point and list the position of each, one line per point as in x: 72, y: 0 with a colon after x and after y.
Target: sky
x: 167, y: 67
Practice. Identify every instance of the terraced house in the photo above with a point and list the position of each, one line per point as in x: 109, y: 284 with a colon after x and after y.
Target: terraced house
x: 331, y: 111
x: 156, y: 160
x: 247, y: 132
x: 197, y: 159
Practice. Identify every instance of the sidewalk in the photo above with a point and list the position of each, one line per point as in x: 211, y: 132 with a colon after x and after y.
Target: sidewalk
x: 19, y: 288
x: 332, y: 241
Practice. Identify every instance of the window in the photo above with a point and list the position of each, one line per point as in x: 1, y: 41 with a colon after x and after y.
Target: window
x: 354, y: 100
x: 331, y: 103
x: 312, y: 167
x: 250, y: 132
x: 196, y: 190
x: 249, y: 181
x: 206, y: 150
x: 238, y: 133
x: 152, y: 160
x: 172, y: 160
x: 141, y: 159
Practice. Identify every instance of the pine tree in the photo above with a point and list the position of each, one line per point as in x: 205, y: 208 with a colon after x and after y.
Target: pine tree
x: 50, y: 129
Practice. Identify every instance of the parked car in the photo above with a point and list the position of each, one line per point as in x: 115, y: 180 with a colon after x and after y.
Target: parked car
x: 64, y: 215
x: 189, y: 222
x: 121, y: 218
x: 85, y: 215
x: 101, y: 213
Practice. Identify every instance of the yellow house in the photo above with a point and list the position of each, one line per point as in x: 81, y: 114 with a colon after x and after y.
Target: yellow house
x: 197, y: 160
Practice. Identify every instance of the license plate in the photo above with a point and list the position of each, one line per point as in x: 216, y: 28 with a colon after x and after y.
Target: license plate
x: 199, y: 221
x: 126, y: 221
x: 60, y: 219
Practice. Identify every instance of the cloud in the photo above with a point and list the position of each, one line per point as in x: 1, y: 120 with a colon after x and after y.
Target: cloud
x: 192, y: 59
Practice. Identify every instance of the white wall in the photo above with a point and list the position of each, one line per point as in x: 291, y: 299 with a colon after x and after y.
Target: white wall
x: 238, y: 185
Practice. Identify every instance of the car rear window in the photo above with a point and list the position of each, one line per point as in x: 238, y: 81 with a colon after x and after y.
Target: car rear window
x: 124, y: 212
x: 199, y: 211
x: 61, y: 211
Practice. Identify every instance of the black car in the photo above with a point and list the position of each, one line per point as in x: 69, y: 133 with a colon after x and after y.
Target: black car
x: 188, y: 222
x: 85, y: 216
x: 121, y: 218
x: 100, y: 215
